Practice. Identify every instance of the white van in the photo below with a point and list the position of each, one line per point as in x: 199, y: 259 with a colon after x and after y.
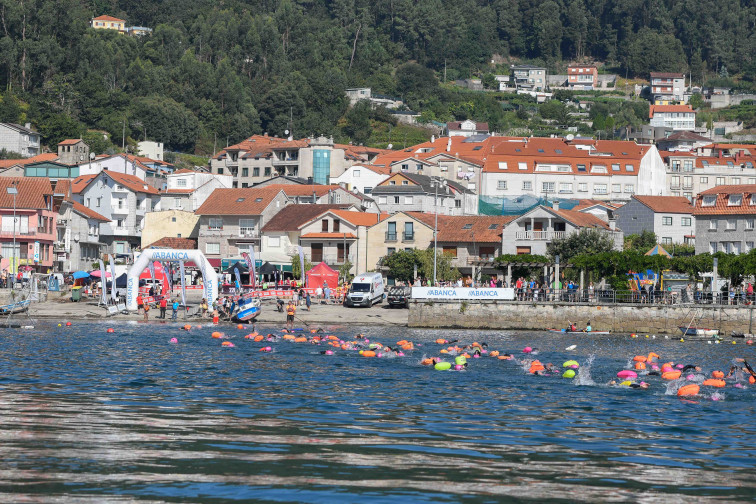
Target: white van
x: 365, y: 290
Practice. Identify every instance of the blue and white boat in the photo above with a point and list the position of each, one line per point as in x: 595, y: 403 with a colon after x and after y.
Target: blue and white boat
x: 247, y: 308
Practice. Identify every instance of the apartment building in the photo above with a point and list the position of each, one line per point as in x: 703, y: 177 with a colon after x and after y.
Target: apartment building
x: 362, y: 178
x: 725, y: 218
x: 261, y: 157
x: 667, y: 88
x: 669, y: 217
x: 410, y: 192
x: 77, y: 244
x: 529, y: 77
x: 187, y: 189
x: 689, y: 175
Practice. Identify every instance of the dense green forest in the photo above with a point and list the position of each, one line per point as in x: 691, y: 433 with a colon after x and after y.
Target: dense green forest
x: 220, y: 70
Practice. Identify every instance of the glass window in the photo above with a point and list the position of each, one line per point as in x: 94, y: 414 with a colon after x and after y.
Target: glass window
x: 527, y: 186
x: 247, y: 227
x: 666, y: 221
x: 713, y: 224
x: 324, y: 225
x: 548, y: 187
x: 749, y: 224
x: 666, y: 241
x: 629, y: 189
x: 732, y: 224
x: 220, y: 171
x: 356, y: 173
x: 565, y: 187
x: 502, y: 165
x: 582, y: 187
x: 396, y: 200
x: 267, y: 171
x: 581, y: 167
x: 709, y: 200
x: 409, y: 230
x: 599, y: 188
x: 720, y: 181
x: 712, y: 247
x: 615, y: 167
x: 675, y: 181
x: 704, y: 180
x: 735, y: 200
x: 408, y: 200
x: 256, y: 171
x: 522, y: 165
x: 616, y: 188
x: 215, y: 224
x: 181, y: 182
x: 501, y: 185
x: 367, y: 190
x: 688, y: 165
x: 245, y: 172
x: 735, y: 181
x: 212, y: 248
x: 686, y: 221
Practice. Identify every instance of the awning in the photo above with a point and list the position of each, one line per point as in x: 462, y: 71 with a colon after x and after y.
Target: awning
x: 238, y: 264
x: 80, y: 274
x: 215, y: 263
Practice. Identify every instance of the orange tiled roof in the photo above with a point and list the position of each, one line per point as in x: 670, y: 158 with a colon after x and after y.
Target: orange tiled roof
x: 666, y: 204
x: 329, y: 236
x: 70, y: 141
x: 39, y: 158
x: 175, y: 243
x: 238, y: 201
x: 722, y: 204
x: 182, y: 171
x: 305, y: 189
x: 108, y: 18
x: 31, y: 192
x: 581, y: 219
x: 357, y: 218
x: 87, y: 212
x: 292, y: 217
x: 177, y: 191
x: 79, y: 183
x: 131, y: 182
x: 653, y: 109
x: 451, y: 228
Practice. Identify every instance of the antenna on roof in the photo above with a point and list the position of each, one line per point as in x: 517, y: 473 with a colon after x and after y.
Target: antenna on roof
x: 570, y: 137
x: 390, y: 146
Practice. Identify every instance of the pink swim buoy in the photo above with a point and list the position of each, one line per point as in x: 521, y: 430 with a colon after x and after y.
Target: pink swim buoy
x: 458, y: 367
x: 527, y: 349
x: 174, y: 340
x: 627, y: 374
x: 329, y: 352
x: 679, y: 366
x: 400, y: 354
x: 690, y: 377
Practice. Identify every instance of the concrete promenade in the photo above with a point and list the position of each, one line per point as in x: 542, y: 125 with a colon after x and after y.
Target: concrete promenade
x: 617, y: 318
x: 62, y: 309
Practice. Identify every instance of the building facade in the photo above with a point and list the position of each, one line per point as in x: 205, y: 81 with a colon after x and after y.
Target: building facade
x: 108, y: 23
x: 669, y: 217
x: 582, y: 77
x: 529, y: 77
x: 169, y: 224
x: 404, y: 192
x: 725, y: 218
x: 187, y: 190
x: 400, y: 231
x: 77, y: 245
x: 667, y: 88
x: 676, y: 117
x: 362, y: 178
x: 19, y: 139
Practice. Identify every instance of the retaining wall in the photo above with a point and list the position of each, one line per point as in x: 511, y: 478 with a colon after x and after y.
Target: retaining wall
x: 656, y: 319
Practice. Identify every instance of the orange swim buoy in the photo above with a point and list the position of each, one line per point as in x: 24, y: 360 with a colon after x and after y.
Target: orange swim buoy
x: 535, y: 367
x: 640, y: 365
x: 671, y: 375
x: 259, y: 338
x: 640, y: 358
x: 289, y: 337
x: 443, y: 350
x: 408, y: 346
x: 426, y: 362
x: 714, y: 382
x: 441, y: 341
x: 368, y: 353
x: 494, y: 353
x: 401, y: 342
x: 688, y: 390
x: 217, y: 335
x: 187, y: 327
x: 227, y: 344
x: 504, y: 357
x: 751, y: 380
x: 652, y: 355
x: 717, y: 374
x: 240, y: 326
x: 333, y: 338
x: 300, y: 339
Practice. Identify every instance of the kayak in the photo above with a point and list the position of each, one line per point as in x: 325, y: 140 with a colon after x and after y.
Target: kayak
x: 562, y: 331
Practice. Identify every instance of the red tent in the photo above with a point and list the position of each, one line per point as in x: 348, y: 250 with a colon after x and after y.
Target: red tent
x: 159, y: 276
x: 320, y: 274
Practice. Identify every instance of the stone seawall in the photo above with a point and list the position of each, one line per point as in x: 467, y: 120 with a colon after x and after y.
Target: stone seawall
x: 656, y: 319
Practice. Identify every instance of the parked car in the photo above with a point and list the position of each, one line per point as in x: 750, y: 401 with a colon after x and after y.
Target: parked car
x: 366, y: 289
x: 399, y: 295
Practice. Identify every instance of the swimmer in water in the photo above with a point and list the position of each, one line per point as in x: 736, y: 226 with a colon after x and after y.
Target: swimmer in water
x: 690, y: 367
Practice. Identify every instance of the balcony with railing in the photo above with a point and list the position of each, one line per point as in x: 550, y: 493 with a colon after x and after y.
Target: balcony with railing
x: 540, y: 235
x: 408, y: 237
x: 391, y: 237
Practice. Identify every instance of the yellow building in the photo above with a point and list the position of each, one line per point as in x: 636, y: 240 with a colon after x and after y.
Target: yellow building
x: 169, y: 223
x: 397, y: 232
x: 108, y: 23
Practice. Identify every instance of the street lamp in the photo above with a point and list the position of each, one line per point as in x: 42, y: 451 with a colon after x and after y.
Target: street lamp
x: 14, y: 191
x: 436, y: 183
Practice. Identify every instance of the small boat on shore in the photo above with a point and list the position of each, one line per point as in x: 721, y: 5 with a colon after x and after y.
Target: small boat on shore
x: 247, y: 308
x: 698, y: 331
x: 19, y: 307
x: 564, y: 331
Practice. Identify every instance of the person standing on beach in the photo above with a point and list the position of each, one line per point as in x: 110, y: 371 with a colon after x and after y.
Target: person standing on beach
x: 291, y: 309
x: 163, y: 307
x: 175, y: 307
x: 140, y: 302
x: 308, y: 301
x: 146, y: 312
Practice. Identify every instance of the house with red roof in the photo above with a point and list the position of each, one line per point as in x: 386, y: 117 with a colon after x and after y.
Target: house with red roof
x: 77, y: 244
x: 582, y: 77
x: 677, y: 117
x: 73, y: 151
x: 108, y: 23
x: 667, y: 88
x: 362, y: 177
x: 531, y: 232
x: 669, y: 217
x: 122, y: 199
x: 28, y: 220
x: 231, y: 220
x: 725, y: 217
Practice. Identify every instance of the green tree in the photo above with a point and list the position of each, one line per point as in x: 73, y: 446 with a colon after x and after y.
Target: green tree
x: 696, y: 101
x: 58, y: 127
x: 642, y: 242
x: 489, y: 81
x: 345, y: 276
x: 296, y: 270
x: 445, y: 271
x: 10, y: 109
x: 401, y: 265
x: 585, y: 241
x: 167, y: 121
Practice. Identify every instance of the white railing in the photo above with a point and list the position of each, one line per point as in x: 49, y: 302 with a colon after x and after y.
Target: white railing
x: 540, y: 235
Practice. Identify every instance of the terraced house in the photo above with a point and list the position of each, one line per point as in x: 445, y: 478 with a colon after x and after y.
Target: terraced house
x: 725, y: 218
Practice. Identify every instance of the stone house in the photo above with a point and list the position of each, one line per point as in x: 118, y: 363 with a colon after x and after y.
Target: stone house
x: 417, y: 193
x: 400, y: 231
x: 19, y: 139
x: 73, y: 151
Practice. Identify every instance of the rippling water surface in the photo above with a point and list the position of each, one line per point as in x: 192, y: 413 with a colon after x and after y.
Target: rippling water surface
x: 90, y: 416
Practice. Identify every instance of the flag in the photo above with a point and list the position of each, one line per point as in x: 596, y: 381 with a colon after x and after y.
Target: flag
x: 250, y: 260
x: 168, y: 275
x: 151, y: 267
x: 112, y: 280
x: 301, y: 265
x: 183, y: 284
x: 238, y: 279
x: 103, y: 282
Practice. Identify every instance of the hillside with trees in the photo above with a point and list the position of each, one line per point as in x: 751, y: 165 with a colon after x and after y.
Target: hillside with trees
x: 215, y: 72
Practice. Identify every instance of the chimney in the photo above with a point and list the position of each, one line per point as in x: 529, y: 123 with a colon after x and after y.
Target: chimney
x: 433, y: 138
x: 555, y: 205
x: 27, y: 126
x: 448, y: 145
x: 613, y: 223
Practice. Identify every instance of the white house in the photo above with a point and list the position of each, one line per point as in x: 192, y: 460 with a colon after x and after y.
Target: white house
x: 20, y: 139
x: 152, y: 150
x: 677, y: 117
x: 362, y: 178
x: 187, y: 190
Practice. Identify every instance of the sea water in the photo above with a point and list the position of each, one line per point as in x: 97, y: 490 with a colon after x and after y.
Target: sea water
x: 88, y: 416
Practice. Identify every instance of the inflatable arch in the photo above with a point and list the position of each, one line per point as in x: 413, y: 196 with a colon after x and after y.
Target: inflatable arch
x: 209, y: 276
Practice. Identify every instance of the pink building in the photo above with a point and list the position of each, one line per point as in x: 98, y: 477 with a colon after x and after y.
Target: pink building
x: 34, y: 223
